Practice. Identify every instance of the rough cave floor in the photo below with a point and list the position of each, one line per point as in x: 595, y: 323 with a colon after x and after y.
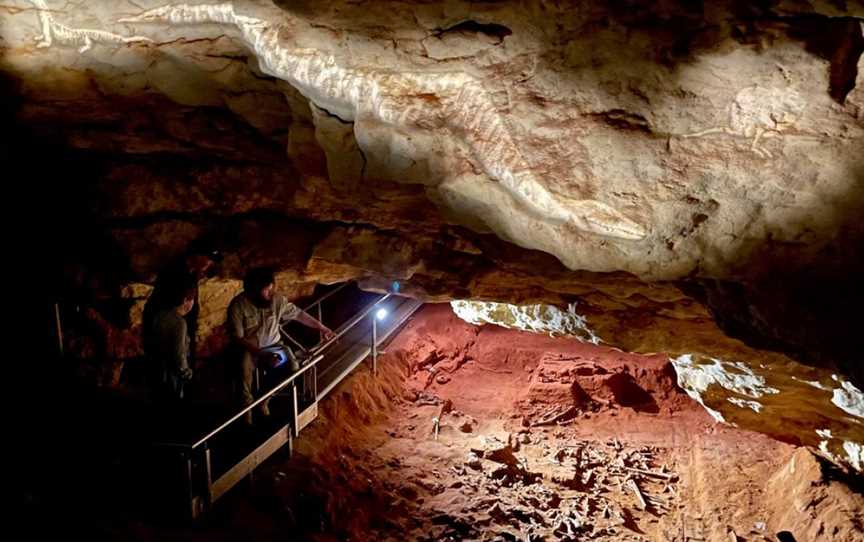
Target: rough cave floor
x: 539, y: 439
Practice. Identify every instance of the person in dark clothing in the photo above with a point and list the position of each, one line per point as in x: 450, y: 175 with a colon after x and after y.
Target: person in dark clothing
x: 188, y: 270
x: 168, y: 350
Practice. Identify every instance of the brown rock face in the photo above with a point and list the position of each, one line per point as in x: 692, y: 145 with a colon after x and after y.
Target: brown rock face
x: 689, y: 175
x: 810, y: 500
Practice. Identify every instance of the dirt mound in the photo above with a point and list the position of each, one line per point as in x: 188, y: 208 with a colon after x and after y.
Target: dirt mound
x: 564, y: 385
x: 551, y: 380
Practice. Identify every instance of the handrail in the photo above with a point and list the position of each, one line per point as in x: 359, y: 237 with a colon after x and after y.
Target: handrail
x: 316, y: 358
x: 325, y: 296
x: 321, y: 346
x: 306, y: 309
x: 257, y: 402
x: 292, y: 339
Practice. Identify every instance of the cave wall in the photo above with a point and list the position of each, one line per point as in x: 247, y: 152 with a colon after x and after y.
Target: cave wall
x: 688, y: 175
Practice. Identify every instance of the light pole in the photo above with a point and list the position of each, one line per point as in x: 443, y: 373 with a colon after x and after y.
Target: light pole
x: 380, y: 314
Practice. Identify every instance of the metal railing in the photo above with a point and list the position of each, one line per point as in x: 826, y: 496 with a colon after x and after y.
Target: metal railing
x: 317, y: 303
x: 197, y: 453
x: 310, y: 365
x: 315, y: 357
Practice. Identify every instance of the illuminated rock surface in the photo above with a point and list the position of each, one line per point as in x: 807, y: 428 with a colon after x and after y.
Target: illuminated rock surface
x: 688, y: 177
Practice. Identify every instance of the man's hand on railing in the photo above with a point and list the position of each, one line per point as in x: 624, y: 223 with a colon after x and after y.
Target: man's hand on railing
x: 327, y: 333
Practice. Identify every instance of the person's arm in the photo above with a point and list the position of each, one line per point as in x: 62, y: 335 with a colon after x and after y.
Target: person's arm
x: 290, y: 311
x: 308, y: 321
x: 235, y: 323
x: 192, y: 328
x: 182, y: 350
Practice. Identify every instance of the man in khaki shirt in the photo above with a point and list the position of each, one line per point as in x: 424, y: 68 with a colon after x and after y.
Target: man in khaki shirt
x: 255, y: 318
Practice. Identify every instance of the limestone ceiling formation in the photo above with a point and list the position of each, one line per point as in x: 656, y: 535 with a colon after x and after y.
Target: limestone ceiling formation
x: 686, y: 173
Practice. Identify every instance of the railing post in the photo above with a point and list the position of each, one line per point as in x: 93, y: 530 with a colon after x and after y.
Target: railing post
x: 208, y: 475
x: 374, y: 344
x: 295, y: 409
x: 320, y: 319
x: 190, y: 485
x: 59, y: 328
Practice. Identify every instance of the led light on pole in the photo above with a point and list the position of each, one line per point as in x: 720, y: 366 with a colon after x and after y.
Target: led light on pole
x: 380, y: 314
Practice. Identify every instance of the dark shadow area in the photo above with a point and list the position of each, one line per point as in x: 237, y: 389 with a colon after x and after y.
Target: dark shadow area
x: 832, y: 473
x: 628, y: 393
x: 103, y: 458
x: 837, y: 40
x: 581, y: 399
x: 492, y: 30
x: 798, y: 301
x: 813, y: 318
